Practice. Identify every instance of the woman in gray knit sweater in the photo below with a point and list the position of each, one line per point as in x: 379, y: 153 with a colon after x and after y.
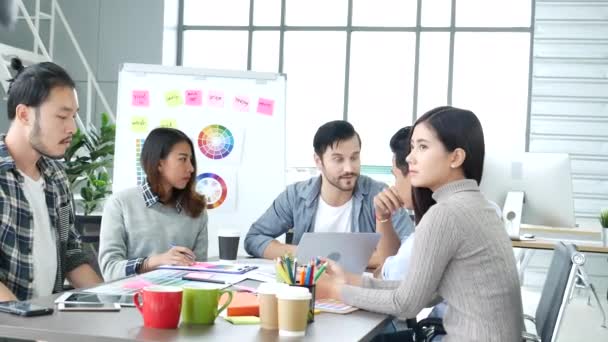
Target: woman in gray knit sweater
x: 461, y: 252
x: 160, y: 222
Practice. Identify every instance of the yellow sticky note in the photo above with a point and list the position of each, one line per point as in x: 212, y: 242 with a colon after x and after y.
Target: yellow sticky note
x: 168, y: 123
x: 173, y: 98
x: 243, y: 320
x: 139, y: 124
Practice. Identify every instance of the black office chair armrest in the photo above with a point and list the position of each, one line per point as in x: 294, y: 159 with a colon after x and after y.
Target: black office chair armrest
x: 428, y: 328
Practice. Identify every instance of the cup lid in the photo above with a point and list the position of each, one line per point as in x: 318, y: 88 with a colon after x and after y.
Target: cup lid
x: 229, y: 233
x: 294, y: 293
x: 270, y: 288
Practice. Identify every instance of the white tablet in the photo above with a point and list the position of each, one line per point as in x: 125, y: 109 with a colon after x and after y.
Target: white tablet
x: 95, y: 298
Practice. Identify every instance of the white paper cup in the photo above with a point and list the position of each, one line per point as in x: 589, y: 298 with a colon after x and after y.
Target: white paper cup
x: 269, y: 311
x: 293, y: 304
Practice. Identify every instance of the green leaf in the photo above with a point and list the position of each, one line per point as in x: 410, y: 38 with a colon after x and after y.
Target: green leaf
x: 86, y: 193
x: 87, y: 160
x: 105, y: 119
x: 104, y: 176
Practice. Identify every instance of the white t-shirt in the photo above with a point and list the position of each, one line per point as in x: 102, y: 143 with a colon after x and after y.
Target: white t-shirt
x: 333, y: 219
x: 44, y: 249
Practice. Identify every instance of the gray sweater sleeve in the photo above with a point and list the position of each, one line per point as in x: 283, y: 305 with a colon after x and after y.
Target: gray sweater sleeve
x: 201, y: 243
x: 113, y: 241
x: 436, y: 242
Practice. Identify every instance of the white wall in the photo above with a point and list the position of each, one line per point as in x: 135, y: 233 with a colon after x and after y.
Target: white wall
x: 110, y: 32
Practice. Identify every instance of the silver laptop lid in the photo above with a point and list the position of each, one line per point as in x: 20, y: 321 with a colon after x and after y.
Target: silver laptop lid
x: 350, y: 250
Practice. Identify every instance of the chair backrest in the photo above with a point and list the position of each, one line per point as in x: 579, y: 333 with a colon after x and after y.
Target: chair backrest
x: 560, y: 279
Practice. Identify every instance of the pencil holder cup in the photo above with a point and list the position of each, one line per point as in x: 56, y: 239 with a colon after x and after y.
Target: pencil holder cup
x: 311, y: 306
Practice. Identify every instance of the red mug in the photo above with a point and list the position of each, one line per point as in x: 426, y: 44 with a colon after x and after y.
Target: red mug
x: 161, y: 306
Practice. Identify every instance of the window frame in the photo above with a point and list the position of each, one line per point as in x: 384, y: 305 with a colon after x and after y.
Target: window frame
x: 349, y: 29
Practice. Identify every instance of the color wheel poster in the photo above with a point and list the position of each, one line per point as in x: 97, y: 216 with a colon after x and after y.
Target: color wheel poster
x: 219, y: 142
x: 219, y: 186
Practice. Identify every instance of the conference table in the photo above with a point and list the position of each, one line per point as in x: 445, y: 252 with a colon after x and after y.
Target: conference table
x: 127, y: 324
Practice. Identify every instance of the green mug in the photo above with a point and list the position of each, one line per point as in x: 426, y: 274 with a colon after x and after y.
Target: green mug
x: 199, y: 306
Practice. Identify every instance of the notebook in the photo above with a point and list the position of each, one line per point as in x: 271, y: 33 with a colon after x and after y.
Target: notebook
x: 333, y: 306
x: 212, y: 267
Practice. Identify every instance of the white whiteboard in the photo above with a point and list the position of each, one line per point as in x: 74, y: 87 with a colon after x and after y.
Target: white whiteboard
x: 236, y: 120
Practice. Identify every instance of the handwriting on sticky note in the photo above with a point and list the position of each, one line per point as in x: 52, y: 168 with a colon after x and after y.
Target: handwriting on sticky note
x: 241, y: 104
x: 216, y: 98
x: 139, y: 124
x: 265, y: 106
x: 168, y: 123
x: 194, y: 97
x: 140, y: 98
x: 173, y: 98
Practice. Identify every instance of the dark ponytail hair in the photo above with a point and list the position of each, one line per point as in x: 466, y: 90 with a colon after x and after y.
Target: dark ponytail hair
x: 455, y: 128
x: 17, y: 65
x: 31, y: 86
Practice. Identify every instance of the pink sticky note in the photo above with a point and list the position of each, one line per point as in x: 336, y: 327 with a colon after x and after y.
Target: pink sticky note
x: 140, y: 98
x: 137, y: 283
x: 194, y: 97
x: 216, y: 98
x: 241, y: 104
x: 265, y: 106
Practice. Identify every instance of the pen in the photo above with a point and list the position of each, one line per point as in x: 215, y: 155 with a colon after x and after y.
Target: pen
x: 171, y: 245
x: 215, y: 281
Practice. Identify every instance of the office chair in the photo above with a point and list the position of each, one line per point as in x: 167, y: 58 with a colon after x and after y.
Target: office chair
x: 554, y: 297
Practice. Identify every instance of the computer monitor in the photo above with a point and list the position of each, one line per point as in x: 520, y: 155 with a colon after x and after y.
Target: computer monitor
x: 541, y: 180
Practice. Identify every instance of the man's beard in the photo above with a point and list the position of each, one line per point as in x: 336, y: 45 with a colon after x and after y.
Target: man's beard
x: 337, y: 185
x: 37, y: 144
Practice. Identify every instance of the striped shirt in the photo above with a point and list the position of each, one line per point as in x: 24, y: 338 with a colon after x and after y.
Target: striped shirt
x: 16, y: 230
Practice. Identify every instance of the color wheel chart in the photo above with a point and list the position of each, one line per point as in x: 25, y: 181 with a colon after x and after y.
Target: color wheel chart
x: 215, y: 141
x: 141, y: 176
x: 213, y: 187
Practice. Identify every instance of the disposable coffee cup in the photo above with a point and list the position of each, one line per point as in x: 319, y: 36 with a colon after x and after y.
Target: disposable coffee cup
x: 229, y: 245
x: 293, y: 304
x: 269, y: 314
x: 311, y: 307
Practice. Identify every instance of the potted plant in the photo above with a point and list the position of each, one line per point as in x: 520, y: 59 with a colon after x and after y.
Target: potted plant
x: 604, y: 223
x: 87, y: 161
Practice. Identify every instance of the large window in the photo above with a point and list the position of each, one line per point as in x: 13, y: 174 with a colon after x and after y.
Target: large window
x: 376, y: 63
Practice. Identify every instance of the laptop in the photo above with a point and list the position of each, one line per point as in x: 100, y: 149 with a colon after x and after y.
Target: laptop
x: 350, y: 250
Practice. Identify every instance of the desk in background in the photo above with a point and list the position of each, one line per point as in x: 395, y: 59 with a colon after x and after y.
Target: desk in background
x: 579, y: 240
x: 550, y: 244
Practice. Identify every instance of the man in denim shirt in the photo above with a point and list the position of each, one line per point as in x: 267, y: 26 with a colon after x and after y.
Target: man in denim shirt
x: 340, y: 200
